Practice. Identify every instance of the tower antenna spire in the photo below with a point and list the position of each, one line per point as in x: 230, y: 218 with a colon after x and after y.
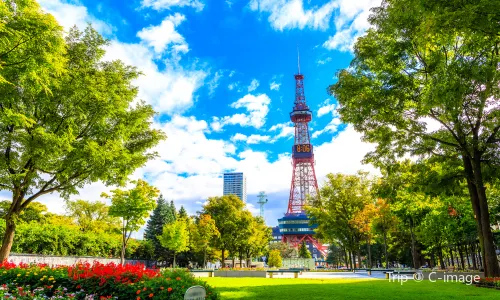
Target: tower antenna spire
x: 298, y: 57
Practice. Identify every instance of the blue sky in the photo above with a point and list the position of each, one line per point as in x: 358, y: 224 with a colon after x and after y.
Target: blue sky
x: 220, y: 75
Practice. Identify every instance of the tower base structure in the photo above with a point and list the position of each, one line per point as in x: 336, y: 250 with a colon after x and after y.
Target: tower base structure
x: 295, y: 229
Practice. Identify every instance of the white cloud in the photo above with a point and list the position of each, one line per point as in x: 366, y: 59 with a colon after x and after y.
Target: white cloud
x: 289, y: 14
x: 253, y: 85
x: 274, y: 86
x: 161, y: 36
x: 168, y: 4
x: 324, y: 61
x: 190, y: 164
x: 233, y: 85
x: 285, y: 130
x: 69, y: 15
x: 350, y: 23
x: 252, y: 139
x: 256, y: 107
x: 170, y: 90
x: 327, y: 108
x: 214, y: 82
x: 330, y: 128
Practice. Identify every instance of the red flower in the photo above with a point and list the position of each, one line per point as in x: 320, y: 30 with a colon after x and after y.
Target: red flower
x: 178, y: 278
x: 151, y: 295
x: 138, y: 292
x: 169, y: 289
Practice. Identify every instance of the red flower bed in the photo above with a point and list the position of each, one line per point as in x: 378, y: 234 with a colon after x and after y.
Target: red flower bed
x: 489, y: 282
x: 105, y: 272
x: 103, y: 281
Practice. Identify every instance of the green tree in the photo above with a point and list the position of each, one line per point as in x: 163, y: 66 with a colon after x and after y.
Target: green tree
x: 175, y: 236
x: 182, y: 213
x: 425, y: 81
x: 363, y: 222
x: 341, y: 197
x: 87, y: 129
x: 303, y: 251
x: 133, y: 207
x: 241, y: 235
x: 36, y: 212
x: 258, y: 242
x: 274, y: 260
x: 92, y: 216
x: 203, y: 231
x: 162, y: 214
x: 286, y: 251
x: 224, y: 211
x: 31, y: 50
x: 384, y: 222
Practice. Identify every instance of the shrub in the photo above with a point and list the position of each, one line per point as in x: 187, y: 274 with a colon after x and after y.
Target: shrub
x: 274, y: 258
x: 99, y: 280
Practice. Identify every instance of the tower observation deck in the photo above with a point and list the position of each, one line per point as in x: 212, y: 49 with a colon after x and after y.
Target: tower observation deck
x: 295, y: 225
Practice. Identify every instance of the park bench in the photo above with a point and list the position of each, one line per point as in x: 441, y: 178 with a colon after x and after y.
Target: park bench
x: 295, y: 272
x: 210, y: 272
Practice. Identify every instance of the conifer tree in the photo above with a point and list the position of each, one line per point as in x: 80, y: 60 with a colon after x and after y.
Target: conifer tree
x: 163, y: 214
x: 182, y: 213
x: 303, y: 251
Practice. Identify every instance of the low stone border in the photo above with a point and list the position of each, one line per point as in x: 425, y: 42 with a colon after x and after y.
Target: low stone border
x: 240, y: 274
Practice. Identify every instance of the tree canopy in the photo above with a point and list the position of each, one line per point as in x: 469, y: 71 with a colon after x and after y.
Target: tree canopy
x: 69, y: 119
x: 133, y: 207
x: 424, y: 83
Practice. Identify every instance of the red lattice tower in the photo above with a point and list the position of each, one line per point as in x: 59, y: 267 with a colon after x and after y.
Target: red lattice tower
x: 294, y: 226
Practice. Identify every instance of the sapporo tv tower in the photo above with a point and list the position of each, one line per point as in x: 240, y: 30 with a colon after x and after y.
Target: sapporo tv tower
x: 294, y: 226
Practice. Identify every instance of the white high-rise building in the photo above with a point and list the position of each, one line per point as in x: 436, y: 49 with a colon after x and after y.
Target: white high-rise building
x: 235, y: 184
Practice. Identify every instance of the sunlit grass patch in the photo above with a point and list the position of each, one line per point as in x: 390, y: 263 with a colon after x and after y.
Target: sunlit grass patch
x: 313, y: 289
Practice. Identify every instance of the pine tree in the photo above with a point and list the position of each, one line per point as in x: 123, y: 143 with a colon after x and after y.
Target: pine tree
x: 162, y: 214
x: 303, y: 251
x: 182, y: 213
x: 172, y: 208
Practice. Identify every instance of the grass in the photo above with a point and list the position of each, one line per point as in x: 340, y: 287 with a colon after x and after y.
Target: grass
x: 315, y: 289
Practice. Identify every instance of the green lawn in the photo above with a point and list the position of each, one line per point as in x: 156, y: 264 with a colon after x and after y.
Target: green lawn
x: 312, y: 289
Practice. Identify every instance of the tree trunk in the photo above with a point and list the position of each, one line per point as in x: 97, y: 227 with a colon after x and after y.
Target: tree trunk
x: 440, y: 256
x: 413, y: 246
x: 452, y: 258
x: 474, y: 197
x: 249, y: 263
x: 480, y: 257
x: 467, y: 255
x: 385, y: 251
x: 345, y: 257
x: 473, y: 254
x: 369, y: 253
x: 358, y: 252
x: 222, y: 258
x: 491, y: 267
x: 8, y: 237
x: 461, y: 254
x: 241, y: 259
x: 175, y: 254
x: 204, y: 258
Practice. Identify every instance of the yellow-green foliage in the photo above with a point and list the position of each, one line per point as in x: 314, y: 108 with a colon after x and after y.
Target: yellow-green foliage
x: 274, y: 259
